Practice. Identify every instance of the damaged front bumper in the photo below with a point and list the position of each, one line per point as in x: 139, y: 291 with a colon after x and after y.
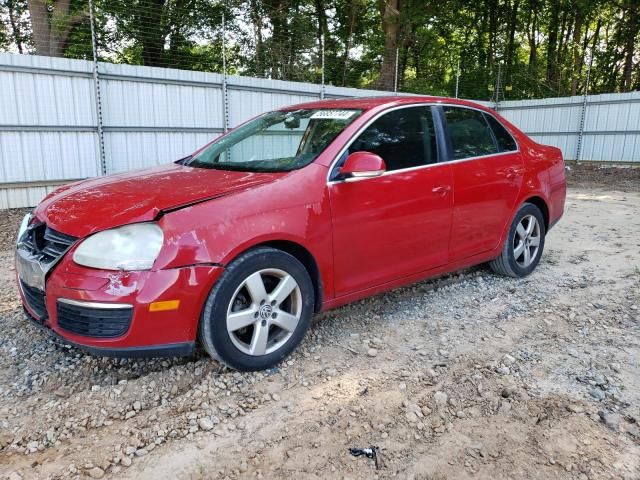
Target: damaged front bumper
x: 112, y: 313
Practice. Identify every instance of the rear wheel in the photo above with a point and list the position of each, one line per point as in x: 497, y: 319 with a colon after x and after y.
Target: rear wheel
x: 258, y: 311
x: 524, y: 244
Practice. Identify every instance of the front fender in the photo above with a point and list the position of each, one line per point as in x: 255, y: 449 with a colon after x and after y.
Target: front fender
x: 293, y: 209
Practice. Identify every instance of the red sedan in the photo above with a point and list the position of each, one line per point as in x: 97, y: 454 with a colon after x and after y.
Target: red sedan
x: 296, y: 211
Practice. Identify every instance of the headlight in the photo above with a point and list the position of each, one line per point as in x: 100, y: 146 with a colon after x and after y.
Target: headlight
x: 132, y: 247
x: 23, y: 226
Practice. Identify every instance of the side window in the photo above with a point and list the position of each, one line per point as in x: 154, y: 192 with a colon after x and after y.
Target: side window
x: 506, y: 143
x: 470, y: 133
x: 404, y: 138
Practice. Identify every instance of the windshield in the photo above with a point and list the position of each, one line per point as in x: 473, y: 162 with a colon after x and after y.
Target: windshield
x: 276, y: 141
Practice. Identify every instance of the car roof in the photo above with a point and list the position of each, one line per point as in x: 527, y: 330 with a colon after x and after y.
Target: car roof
x: 367, y: 103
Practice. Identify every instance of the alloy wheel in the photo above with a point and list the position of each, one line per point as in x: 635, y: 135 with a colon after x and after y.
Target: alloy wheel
x: 526, y: 241
x: 264, y: 312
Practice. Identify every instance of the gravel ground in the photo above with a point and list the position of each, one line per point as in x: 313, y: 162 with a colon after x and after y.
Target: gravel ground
x: 589, y: 175
x: 468, y: 376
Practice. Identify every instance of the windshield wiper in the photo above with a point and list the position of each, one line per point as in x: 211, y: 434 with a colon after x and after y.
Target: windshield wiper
x: 184, y: 160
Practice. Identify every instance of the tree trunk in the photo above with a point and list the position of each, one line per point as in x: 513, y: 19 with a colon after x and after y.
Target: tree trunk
x: 390, y: 14
x: 532, y: 33
x: 493, y: 32
x: 325, y: 42
x: 513, y: 23
x: 552, y: 45
x: 256, y: 18
x: 277, y: 12
x: 633, y: 27
x: 151, y: 33
x: 352, y: 24
x: 577, y: 54
x: 16, y: 32
x: 40, y: 25
x: 51, y: 25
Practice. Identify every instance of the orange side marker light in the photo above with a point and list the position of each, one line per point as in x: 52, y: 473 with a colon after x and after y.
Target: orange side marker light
x: 164, y: 305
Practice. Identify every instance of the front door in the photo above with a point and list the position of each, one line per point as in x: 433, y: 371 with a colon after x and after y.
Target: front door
x: 398, y: 224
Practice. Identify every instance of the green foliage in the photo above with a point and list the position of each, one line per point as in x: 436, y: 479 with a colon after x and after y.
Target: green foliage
x: 538, y: 48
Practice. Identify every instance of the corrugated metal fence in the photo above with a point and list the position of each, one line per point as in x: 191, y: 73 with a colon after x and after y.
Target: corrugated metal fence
x: 604, y: 128
x: 51, y: 121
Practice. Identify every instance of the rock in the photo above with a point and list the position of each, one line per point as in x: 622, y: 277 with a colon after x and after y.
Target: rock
x: 597, y: 394
x: 137, y: 406
x: 96, y: 472
x: 508, y: 359
x: 507, y: 392
x: 205, y: 423
x: 275, y: 397
x: 244, y: 466
x: 126, y: 461
x: 372, y: 352
x: 5, y: 439
x: 14, y: 476
x: 440, y: 399
x: 505, y: 406
x: 502, y: 370
x: 575, y: 408
x: 411, y: 417
x: 611, y: 420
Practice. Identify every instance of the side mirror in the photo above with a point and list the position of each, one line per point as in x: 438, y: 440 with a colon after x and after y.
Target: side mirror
x: 361, y: 165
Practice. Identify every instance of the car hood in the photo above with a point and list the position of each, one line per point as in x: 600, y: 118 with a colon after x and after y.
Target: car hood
x: 89, y: 206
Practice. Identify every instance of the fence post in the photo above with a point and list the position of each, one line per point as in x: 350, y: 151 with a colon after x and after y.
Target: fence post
x: 102, y: 170
x: 225, y: 92
x: 583, y: 111
x: 498, y: 87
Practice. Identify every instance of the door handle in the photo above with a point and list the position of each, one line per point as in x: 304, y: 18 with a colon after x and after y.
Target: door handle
x: 441, y: 190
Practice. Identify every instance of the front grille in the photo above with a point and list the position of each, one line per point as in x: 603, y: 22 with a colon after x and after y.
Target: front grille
x: 35, y: 300
x: 94, y: 322
x: 45, y: 243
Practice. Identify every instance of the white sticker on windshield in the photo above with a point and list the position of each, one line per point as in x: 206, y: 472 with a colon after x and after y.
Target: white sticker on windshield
x: 333, y: 114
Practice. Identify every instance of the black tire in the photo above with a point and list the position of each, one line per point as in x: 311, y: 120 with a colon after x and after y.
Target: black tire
x: 213, y: 323
x: 506, y: 263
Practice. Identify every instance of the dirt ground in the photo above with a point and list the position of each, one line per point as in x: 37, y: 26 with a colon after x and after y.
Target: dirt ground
x: 468, y: 376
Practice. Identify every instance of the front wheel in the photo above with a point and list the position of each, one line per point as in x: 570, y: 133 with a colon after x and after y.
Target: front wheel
x: 258, y: 311
x: 524, y: 244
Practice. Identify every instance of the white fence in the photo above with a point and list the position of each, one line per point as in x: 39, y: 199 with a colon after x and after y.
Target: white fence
x: 610, y: 125
x: 50, y: 123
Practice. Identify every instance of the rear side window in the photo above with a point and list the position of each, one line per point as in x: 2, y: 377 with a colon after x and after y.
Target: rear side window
x: 404, y: 138
x: 506, y: 143
x: 469, y: 132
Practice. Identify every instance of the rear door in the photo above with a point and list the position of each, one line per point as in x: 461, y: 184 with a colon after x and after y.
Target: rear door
x: 398, y: 224
x: 487, y: 176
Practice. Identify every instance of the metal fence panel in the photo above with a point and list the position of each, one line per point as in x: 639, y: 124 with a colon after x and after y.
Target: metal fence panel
x: 135, y: 150
x: 49, y: 123
x: 611, y: 126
